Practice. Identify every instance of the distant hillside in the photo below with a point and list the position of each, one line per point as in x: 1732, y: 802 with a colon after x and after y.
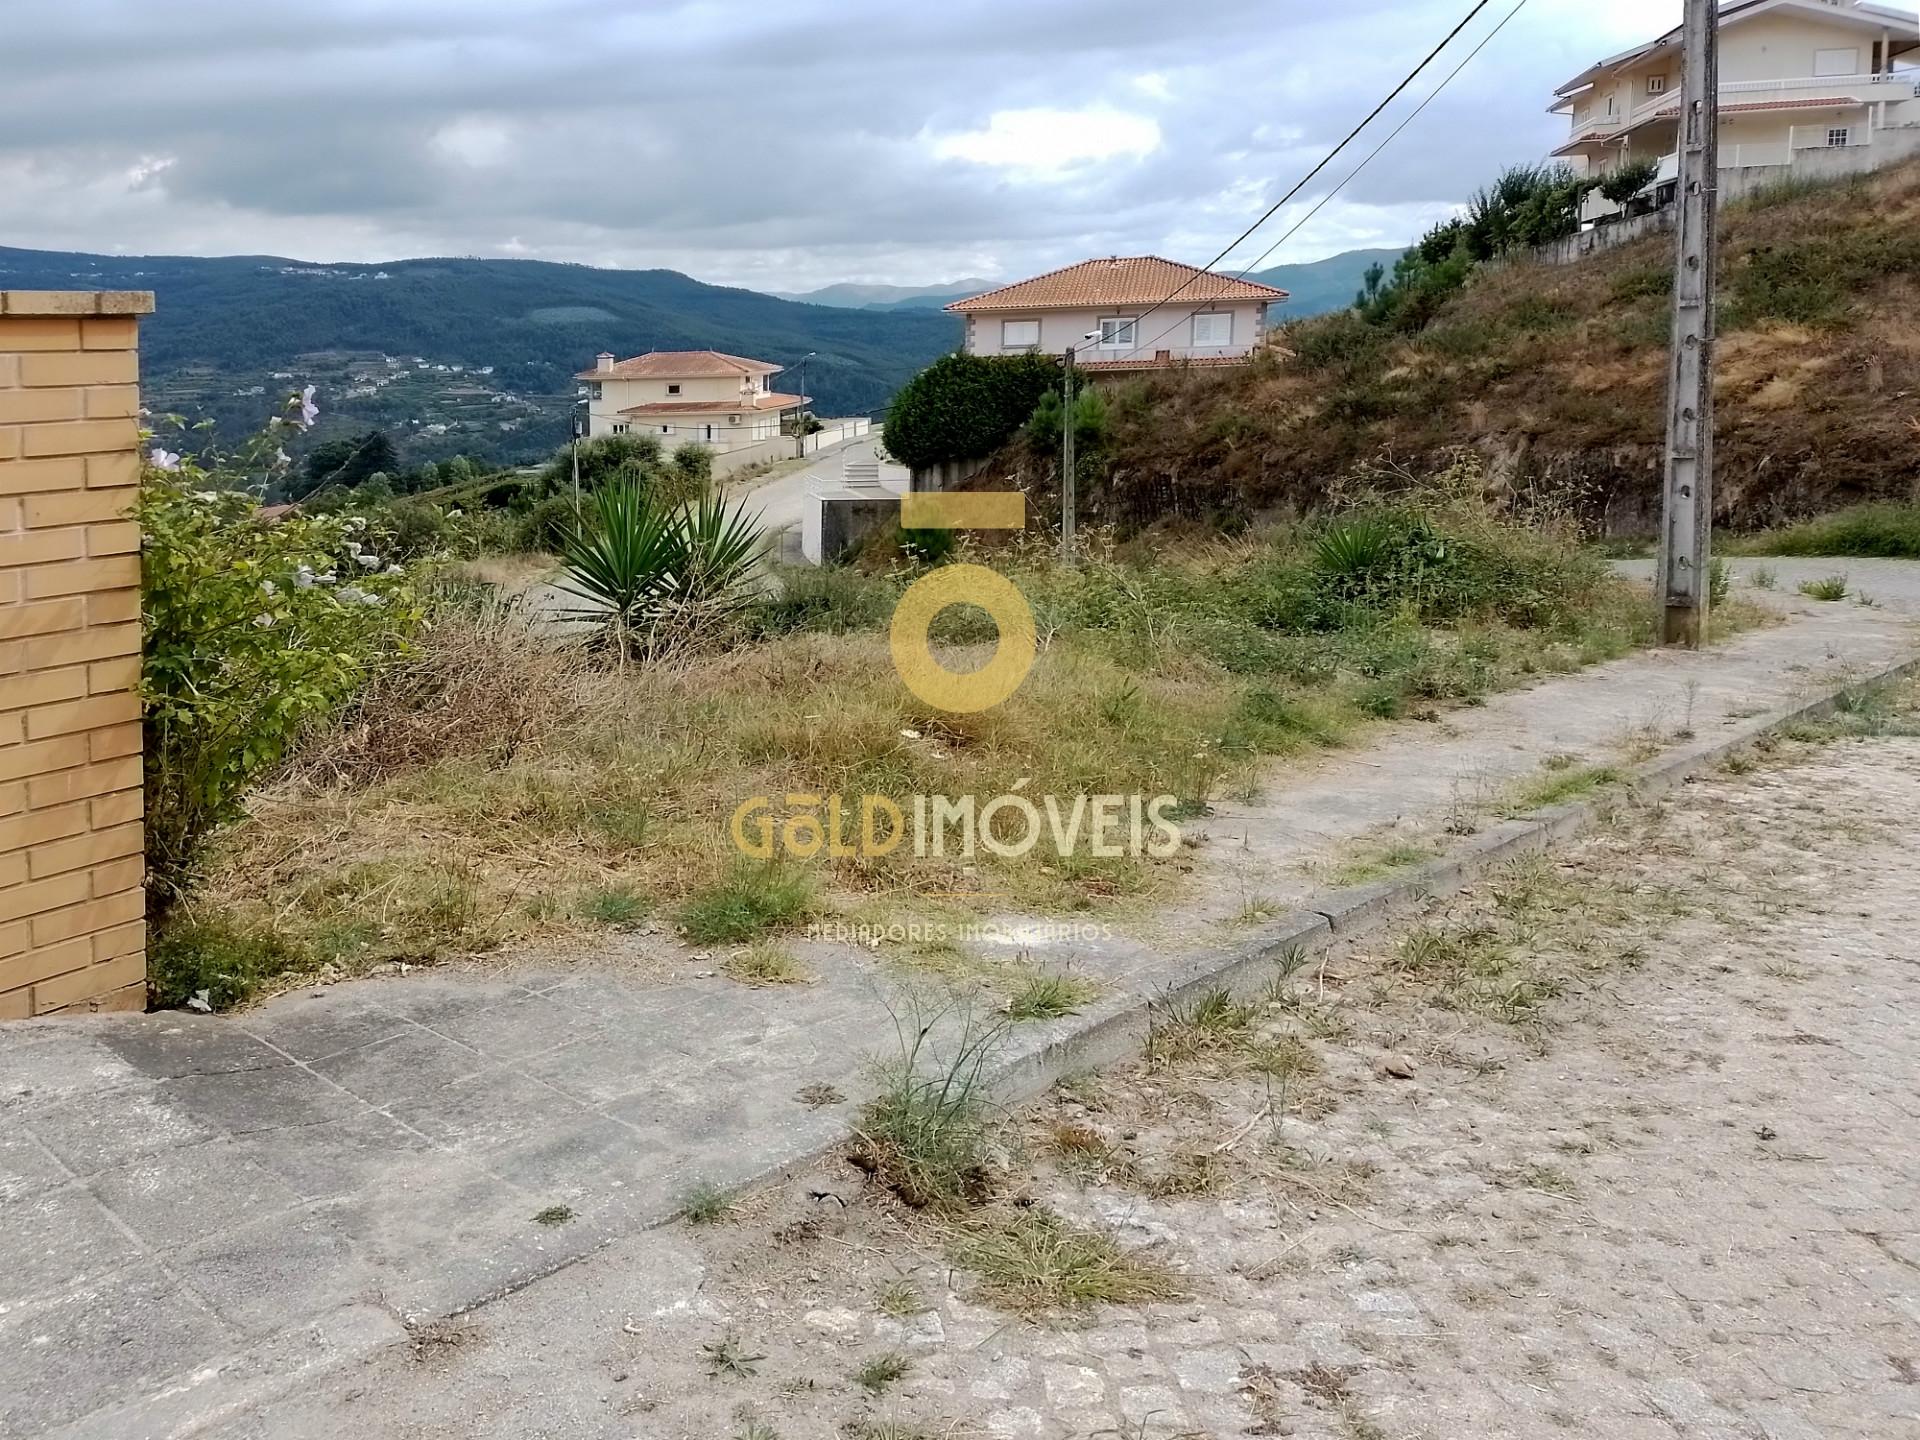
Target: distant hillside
x: 1323, y: 285
x: 1555, y: 378
x: 891, y: 297
x: 486, y: 349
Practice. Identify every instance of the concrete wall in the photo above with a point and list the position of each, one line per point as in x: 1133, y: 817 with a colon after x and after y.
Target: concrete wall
x: 72, y: 868
x: 780, y: 447
x: 1890, y: 147
x: 949, y: 475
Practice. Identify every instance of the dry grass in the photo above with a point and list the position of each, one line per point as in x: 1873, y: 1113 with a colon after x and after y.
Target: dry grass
x: 1032, y: 1261
x: 498, y: 786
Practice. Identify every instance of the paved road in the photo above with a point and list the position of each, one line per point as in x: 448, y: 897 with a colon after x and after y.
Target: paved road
x: 192, y: 1208
x: 780, y: 503
x: 1892, y: 585
x: 1677, y: 1203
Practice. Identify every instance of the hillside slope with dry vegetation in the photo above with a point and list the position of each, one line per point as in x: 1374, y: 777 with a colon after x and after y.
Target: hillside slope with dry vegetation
x: 1556, y: 376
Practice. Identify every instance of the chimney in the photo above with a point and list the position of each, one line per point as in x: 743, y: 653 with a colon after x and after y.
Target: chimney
x: 603, y: 362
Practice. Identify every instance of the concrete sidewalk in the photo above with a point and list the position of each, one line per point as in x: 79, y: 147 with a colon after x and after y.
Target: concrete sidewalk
x: 196, y: 1210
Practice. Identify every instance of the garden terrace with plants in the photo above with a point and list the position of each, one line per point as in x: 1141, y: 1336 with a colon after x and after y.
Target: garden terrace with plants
x: 465, y: 777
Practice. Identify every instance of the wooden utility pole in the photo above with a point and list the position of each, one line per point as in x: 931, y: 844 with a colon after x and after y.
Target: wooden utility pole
x: 1686, y: 547
x: 1068, y: 480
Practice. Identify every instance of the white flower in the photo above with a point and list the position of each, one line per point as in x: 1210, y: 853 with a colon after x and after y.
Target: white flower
x: 262, y: 622
x: 327, y: 579
x: 163, y: 459
x: 209, y: 496
x: 353, y: 547
x: 303, y: 578
x: 393, y: 570
x: 309, y: 411
x: 368, y: 561
x: 354, y: 595
x: 267, y: 587
x: 281, y: 460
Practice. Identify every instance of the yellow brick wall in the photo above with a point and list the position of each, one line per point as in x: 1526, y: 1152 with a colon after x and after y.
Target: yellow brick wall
x: 72, y: 865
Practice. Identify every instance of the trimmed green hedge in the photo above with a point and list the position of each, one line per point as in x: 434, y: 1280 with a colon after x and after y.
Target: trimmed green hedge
x: 962, y: 407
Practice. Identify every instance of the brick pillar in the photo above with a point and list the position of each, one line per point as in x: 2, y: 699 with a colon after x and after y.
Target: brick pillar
x: 72, y: 862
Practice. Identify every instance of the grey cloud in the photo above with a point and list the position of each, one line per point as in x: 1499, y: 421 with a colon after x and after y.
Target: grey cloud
x: 739, y: 142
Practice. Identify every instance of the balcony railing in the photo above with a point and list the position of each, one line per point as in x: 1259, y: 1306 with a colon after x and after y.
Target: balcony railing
x: 1903, y: 85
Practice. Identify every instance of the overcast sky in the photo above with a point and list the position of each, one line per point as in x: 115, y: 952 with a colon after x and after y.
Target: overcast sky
x: 782, y: 144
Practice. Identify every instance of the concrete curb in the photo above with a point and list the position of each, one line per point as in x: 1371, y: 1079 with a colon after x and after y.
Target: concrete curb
x: 1333, y: 919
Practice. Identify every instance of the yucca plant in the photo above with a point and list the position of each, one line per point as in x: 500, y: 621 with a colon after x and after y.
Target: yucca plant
x: 1355, y: 551
x: 641, y: 566
x: 722, y: 544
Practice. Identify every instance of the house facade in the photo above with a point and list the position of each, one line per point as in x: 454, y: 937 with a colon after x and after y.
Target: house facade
x: 724, y: 402
x: 1796, y: 77
x: 1141, y: 312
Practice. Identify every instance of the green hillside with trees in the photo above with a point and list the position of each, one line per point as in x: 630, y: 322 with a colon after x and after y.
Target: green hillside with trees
x: 463, y: 333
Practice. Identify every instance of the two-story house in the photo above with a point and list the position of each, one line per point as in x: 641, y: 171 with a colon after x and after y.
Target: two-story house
x: 1795, y: 76
x: 724, y: 402
x: 1197, y: 316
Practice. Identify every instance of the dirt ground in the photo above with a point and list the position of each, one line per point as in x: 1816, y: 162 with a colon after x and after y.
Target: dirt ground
x: 1623, y: 1143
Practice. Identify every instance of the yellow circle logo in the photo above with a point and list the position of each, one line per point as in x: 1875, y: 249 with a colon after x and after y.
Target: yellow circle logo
x: 1013, y: 656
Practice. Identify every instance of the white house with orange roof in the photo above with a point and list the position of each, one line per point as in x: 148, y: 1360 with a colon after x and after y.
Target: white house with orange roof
x: 724, y: 402
x: 1796, y: 77
x: 1142, y: 312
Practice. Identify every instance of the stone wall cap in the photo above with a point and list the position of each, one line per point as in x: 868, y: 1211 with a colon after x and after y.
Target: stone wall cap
x: 76, y: 302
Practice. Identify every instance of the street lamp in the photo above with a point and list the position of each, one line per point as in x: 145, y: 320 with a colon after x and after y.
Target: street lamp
x: 804, y: 397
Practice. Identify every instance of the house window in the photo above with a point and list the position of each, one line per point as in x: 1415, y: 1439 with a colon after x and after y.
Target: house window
x: 1118, y: 334
x: 673, y: 389
x: 666, y: 429
x: 1212, y: 330
x: 620, y: 429
x: 596, y: 390
x: 1836, y: 62
x: 1656, y: 85
x: 1839, y: 137
x: 1019, y: 334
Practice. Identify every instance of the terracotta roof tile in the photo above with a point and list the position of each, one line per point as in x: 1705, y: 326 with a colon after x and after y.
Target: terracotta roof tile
x: 682, y: 365
x: 1141, y: 280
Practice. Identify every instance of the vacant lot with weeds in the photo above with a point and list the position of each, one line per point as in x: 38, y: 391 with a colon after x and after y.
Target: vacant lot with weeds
x: 497, y: 787
x: 1564, y: 1157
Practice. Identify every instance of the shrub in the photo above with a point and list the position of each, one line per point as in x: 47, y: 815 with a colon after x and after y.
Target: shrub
x: 254, y: 635
x: 1622, y: 184
x: 830, y: 598
x: 962, y: 407
x: 652, y: 574
x: 1886, y: 531
x: 1831, y: 587
x: 928, y: 1132
x: 753, y: 899
x: 929, y: 547
x: 474, y: 684
x: 215, y: 961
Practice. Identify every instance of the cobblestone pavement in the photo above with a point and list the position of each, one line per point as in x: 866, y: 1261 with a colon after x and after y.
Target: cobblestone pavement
x: 1624, y: 1143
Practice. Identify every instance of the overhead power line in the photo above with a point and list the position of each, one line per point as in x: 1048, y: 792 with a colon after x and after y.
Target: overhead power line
x: 1352, y: 174
x: 1325, y: 161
